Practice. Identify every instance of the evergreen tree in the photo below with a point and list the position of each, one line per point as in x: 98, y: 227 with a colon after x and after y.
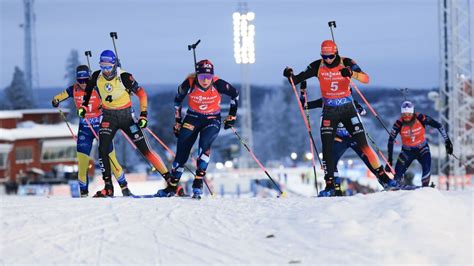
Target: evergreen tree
x: 270, y: 136
x: 71, y: 64
x: 17, y: 94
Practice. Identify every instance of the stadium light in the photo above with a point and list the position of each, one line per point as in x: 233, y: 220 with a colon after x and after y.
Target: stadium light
x: 244, y: 55
x: 244, y: 36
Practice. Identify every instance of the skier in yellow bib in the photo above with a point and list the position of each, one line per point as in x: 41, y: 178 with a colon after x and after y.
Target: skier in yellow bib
x: 115, y: 87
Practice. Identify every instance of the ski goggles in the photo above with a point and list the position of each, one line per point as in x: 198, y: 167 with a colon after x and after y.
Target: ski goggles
x: 82, y: 80
x: 328, y: 56
x: 106, y: 67
x: 205, y: 76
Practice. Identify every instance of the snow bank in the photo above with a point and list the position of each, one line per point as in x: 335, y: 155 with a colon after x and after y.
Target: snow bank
x: 426, y: 226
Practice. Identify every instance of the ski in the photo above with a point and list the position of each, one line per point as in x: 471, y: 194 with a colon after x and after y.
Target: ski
x: 156, y: 196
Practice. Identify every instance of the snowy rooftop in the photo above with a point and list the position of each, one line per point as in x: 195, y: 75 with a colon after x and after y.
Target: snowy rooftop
x: 10, y: 114
x: 6, y: 114
x: 30, y: 130
x: 42, y: 111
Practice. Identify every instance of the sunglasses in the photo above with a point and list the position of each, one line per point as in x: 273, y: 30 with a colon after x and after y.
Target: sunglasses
x: 106, y: 67
x: 329, y: 56
x: 205, y: 76
x: 82, y: 81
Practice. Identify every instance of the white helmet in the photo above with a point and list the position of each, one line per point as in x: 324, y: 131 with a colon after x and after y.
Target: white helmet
x: 407, y: 107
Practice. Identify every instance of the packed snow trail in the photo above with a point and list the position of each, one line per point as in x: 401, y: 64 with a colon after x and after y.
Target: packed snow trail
x: 425, y: 226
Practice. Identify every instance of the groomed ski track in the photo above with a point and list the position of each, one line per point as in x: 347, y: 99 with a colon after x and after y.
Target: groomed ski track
x: 425, y: 226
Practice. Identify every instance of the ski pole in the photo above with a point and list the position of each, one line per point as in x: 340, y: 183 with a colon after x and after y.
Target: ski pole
x: 353, y: 85
x: 304, y: 116
x: 404, y: 93
x: 282, y: 194
x: 174, y: 155
x: 135, y: 148
x: 306, y: 122
x: 67, y: 123
x: 460, y: 161
x: 88, y: 54
x: 114, y: 36
x: 193, y: 46
x: 303, y: 87
x: 380, y: 152
x: 332, y: 24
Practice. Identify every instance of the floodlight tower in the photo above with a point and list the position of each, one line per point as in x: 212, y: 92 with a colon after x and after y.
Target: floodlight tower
x: 244, y: 55
x: 456, y: 94
x: 31, y: 74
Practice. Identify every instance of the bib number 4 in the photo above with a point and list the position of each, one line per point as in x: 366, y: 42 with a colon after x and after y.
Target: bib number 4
x: 109, y: 99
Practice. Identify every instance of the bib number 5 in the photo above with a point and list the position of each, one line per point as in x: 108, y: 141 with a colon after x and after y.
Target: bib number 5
x: 334, y: 85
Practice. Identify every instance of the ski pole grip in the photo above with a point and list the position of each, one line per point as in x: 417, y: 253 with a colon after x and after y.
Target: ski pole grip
x: 332, y: 23
x: 193, y: 46
x: 88, y: 53
x: 113, y: 34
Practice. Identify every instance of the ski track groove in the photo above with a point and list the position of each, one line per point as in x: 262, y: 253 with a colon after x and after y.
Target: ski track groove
x: 220, y: 231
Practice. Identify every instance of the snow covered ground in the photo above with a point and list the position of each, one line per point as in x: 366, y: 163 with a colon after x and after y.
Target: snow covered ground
x: 426, y: 226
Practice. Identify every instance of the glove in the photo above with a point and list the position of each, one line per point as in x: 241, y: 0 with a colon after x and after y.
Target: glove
x: 177, y: 127
x: 55, y: 103
x: 142, y: 121
x: 288, y: 72
x: 449, y: 146
x: 81, y: 112
x: 361, y: 110
x: 346, y: 72
x: 229, y: 121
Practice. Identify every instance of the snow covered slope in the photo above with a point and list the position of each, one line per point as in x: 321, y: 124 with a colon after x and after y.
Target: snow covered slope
x: 419, y: 227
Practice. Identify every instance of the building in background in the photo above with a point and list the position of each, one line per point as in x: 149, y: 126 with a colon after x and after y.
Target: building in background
x: 36, y: 146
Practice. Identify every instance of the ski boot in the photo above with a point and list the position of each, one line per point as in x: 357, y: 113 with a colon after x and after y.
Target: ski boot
x: 197, y: 188
x: 84, y: 193
x: 107, y: 191
x: 125, y: 190
x: 330, y: 189
x: 387, y: 182
x: 198, y: 184
x: 392, y: 184
x: 172, y: 186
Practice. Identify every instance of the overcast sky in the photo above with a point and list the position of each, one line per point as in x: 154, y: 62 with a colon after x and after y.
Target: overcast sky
x: 394, y: 41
